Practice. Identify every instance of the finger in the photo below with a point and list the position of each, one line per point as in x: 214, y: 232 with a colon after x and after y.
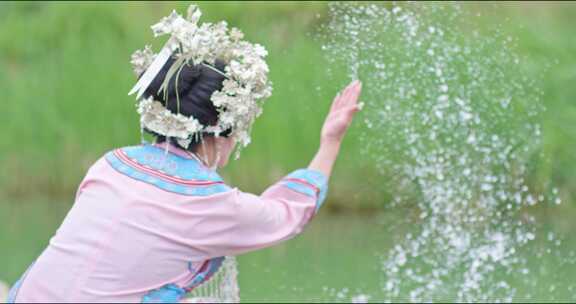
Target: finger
x: 353, y: 92
x: 343, y: 96
x: 356, y: 92
x: 337, y: 104
x: 346, y: 94
x: 335, y: 101
x: 349, y: 87
x: 353, y: 109
x: 347, y: 110
x: 353, y: 100
x: 354, y: 95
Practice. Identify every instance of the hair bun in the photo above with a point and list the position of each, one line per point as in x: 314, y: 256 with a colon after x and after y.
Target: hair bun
x: 189, y: 91
x: 186, y: 78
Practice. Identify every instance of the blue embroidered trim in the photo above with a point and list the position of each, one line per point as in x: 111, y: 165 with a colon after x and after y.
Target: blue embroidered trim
x: 213, y: 267
x: 13, y: 293
x: 308, y: 182
x: 171, y: 293
x: 166, y: 294
x: 167, y: 171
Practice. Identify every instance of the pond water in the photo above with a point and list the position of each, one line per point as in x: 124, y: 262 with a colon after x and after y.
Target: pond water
x: 337, y: 258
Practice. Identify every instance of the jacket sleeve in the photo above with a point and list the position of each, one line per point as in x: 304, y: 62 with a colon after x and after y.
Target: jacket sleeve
x: 279, y: 214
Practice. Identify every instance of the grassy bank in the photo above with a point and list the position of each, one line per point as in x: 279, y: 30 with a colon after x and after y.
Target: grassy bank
x: 64, y: 75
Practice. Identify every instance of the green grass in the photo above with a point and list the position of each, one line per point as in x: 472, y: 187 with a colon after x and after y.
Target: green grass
x: 64, y: 75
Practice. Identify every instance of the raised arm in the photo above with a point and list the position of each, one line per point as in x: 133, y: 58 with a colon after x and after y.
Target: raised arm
x: 250, y: 222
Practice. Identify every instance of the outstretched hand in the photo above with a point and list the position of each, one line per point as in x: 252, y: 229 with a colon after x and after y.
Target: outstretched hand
x: 344, y: 106
x: 342, y: 111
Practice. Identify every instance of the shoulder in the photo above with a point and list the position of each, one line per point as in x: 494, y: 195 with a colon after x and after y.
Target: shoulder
x: 167, y: 171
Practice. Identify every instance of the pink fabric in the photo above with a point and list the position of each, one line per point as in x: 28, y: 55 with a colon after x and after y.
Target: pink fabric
x: 123, y: 237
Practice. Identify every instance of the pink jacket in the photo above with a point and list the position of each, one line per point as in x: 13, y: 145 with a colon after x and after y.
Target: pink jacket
x: 150, y: 226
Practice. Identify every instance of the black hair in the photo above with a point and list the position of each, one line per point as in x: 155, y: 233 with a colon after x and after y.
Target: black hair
x: 195, y: 85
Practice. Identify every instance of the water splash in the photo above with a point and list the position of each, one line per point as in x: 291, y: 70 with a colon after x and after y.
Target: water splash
x: 451, y: 121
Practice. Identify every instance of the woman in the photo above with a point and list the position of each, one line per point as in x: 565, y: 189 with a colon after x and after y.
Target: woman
x: 150, y: 223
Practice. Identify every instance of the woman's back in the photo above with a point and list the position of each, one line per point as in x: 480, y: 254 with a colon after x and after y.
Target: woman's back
x: 150, y: 225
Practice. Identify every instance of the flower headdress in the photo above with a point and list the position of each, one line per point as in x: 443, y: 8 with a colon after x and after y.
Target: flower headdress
x: 245, y: 87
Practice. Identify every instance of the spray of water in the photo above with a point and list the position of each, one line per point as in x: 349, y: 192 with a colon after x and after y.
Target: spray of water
x: 451, y: 120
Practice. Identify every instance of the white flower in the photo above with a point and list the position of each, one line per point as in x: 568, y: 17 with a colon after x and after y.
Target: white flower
x: 236, y: 34
x: 260, y: 50
x: 185, y: 35
x: 155, y: 117
x: 193, y: 14
x: 167, y: 24
x: 141, y: 60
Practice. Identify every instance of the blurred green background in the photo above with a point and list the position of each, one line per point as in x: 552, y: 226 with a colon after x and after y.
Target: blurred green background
x: 64, y: 78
